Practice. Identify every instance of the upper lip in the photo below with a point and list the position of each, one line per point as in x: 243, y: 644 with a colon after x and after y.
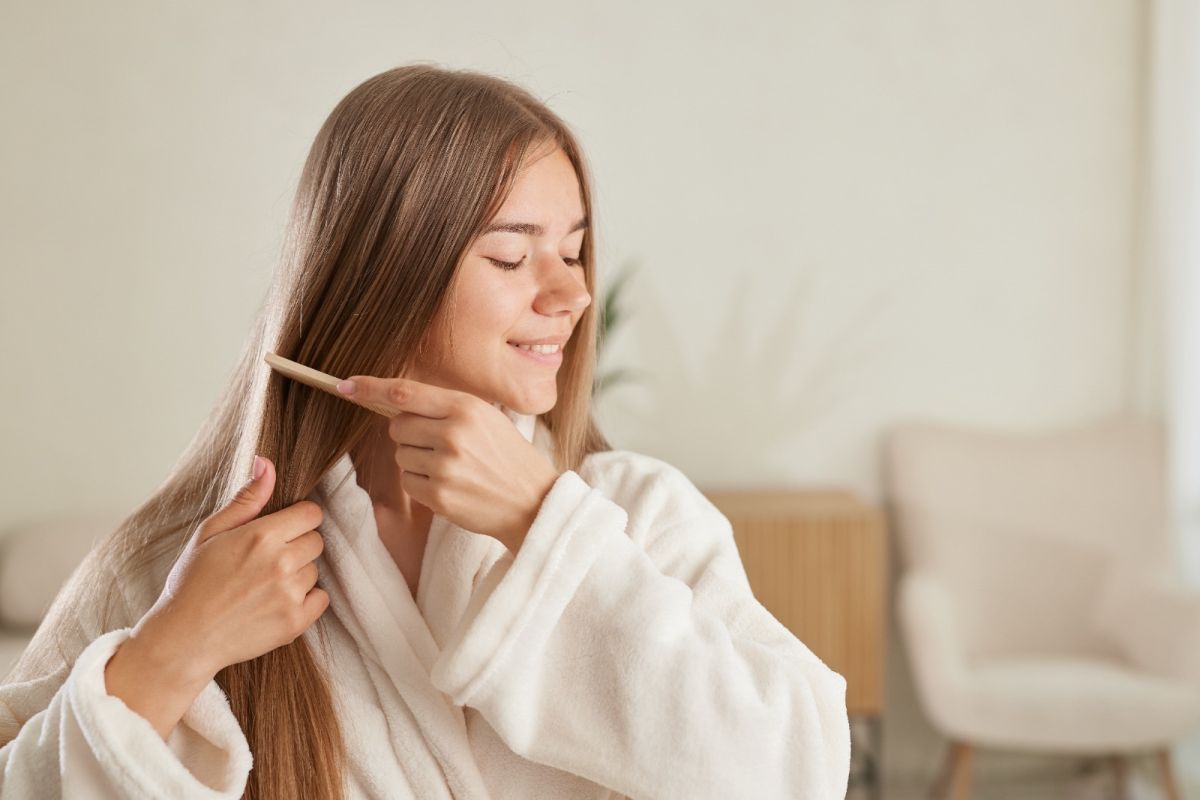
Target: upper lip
x: 559, y: 340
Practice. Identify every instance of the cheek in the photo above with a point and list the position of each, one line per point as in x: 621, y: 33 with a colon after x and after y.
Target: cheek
x: 491, y: 314
x: 489, y: 307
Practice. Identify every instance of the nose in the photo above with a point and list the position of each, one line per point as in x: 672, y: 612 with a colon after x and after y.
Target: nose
x: 561, y: 288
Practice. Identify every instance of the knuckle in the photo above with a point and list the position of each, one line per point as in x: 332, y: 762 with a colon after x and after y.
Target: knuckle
x: 454, y: 442
x: 324, y: 598
x: 442, y: 470
x: 297, y: 620
x: 313, y: 511
x: 399, y: 392
x: 260, y: 537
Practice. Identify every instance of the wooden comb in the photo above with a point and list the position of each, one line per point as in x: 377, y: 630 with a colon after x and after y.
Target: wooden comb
x: 319, y: 380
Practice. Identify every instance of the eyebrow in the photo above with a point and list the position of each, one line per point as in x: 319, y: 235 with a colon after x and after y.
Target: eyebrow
x: 527, y: 228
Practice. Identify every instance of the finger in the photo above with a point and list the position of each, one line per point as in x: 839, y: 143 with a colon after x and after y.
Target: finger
x: 417, y: 460
x: 417, y: 487
x: 245, y: 505
x: 315, y: 603
x: 298, y: 518
x: 305, y: 547
x: 402, y: 394
x: 306, y: 578
x: 417, y: 431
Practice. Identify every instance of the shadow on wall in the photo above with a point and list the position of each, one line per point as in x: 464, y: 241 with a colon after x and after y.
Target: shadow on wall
x: 772, y: 390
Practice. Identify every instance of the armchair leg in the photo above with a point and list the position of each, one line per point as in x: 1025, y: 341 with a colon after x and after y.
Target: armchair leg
x: 1170, y: 787
x: 961, y: 785
x: 955, y: 777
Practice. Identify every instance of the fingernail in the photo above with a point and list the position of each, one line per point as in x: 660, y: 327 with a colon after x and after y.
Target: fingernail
x: 346, y: 386
x: 259, y: 467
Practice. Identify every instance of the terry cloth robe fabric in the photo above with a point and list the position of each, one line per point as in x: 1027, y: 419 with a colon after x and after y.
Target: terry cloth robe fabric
x: 619, y: 652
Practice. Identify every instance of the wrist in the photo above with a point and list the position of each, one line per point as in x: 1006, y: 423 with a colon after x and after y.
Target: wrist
x: 152, y: 644
x: 513, y: 538
x: 152, y: 682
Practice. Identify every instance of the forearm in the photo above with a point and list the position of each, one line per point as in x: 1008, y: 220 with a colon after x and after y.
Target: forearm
x: 150, y: 680
x: 587, y: 654
x: 90, y: 742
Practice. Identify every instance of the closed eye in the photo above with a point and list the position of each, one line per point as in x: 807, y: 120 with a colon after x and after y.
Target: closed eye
x: 575, y: 262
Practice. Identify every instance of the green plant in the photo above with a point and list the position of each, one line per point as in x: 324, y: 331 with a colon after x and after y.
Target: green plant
x: 611, y: 314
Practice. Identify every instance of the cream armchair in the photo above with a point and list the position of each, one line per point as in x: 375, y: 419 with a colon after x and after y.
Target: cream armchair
x: 1036, y: 598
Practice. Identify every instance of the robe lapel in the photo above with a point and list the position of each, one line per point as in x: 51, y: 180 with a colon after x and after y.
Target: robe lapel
x: 456, y: 560
x: 370, y: 598
x: 398, y: 636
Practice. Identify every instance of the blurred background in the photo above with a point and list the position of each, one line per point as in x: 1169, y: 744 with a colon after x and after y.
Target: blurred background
x: 909, y: 287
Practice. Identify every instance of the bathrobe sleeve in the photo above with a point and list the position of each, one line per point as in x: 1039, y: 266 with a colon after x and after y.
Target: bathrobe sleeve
x: 647, y: 667
x: 63, y: 735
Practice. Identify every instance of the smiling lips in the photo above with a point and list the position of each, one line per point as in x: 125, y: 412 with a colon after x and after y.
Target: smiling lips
x: 550, y: 354
x: 559, y: 340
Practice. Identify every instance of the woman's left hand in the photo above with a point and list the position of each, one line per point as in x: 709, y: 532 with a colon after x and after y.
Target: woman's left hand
x: 461, y: 457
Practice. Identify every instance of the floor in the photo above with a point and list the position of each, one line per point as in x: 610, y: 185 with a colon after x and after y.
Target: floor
x: 1082, y: 781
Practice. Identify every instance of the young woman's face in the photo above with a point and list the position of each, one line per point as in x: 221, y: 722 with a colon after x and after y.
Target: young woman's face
x: 493, y: 307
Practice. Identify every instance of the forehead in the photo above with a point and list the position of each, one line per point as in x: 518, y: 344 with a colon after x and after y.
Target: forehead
x: 545, y: 190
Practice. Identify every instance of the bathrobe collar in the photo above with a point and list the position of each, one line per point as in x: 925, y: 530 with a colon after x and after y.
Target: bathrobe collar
x: 348, y: 506
x: 400, y: 637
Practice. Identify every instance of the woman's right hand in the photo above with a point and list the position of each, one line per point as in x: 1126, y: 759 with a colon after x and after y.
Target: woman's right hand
x: 243, y: 586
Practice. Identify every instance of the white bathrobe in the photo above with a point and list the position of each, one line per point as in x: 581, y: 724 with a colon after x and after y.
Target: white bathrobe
x: 620, y: 652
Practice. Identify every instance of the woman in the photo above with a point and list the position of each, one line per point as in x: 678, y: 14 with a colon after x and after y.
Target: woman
x: 475, y: 598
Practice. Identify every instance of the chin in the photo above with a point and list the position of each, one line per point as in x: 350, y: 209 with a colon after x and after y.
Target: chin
x: 530, y: 406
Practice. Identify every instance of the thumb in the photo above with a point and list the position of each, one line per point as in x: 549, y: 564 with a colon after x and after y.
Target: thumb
x: 247, y: 503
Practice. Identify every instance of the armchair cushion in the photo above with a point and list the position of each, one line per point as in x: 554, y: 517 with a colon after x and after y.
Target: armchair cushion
x: 932, y: 634
x: 1016, y: 589
x: 1071, y: 705
x: 1054, y: 703
x: 1152, y: 621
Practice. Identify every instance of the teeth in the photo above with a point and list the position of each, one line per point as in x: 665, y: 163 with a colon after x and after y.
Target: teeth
x: 549, y: 349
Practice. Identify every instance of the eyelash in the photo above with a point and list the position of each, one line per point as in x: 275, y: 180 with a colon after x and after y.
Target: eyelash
x: 510, y: 265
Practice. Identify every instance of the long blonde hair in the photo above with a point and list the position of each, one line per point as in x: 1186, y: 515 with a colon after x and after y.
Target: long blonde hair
x: 402, y: 176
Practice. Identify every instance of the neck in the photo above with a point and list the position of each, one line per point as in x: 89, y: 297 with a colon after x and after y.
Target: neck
x: 379, y: 476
